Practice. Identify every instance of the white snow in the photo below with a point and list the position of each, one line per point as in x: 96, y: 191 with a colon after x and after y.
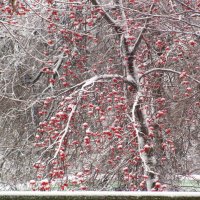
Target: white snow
x: 90, y: 81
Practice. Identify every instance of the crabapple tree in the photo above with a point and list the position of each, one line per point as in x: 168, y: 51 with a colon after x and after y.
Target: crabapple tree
x: 112, y: 88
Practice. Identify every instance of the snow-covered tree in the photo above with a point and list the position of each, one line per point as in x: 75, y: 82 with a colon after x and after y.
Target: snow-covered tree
x: 112, y: 88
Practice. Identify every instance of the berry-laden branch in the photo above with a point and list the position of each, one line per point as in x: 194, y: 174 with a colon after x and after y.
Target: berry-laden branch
x: 100, y: 77
x: 83, y: 86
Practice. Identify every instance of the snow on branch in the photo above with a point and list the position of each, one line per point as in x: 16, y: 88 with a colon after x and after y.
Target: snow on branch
x: 92, y: 80
x: 167, y: 70
x: 84, y: 84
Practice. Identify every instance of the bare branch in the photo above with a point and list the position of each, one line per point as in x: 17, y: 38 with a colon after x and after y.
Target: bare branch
x: 166, y: 70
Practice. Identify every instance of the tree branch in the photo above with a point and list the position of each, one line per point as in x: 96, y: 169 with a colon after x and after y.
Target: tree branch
x: 132, y: 52
x: 107, y: 17
x: 166, y: 70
